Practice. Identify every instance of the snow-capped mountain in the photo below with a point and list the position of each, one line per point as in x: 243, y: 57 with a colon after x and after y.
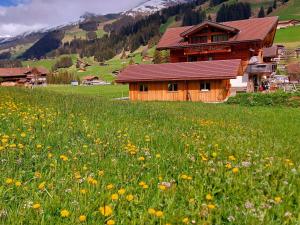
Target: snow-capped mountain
x: 151, y: 6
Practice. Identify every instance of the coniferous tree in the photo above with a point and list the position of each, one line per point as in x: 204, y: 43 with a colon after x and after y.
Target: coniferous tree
x: 275, y: 4
x: 261, y: 13
x: 270, y: 10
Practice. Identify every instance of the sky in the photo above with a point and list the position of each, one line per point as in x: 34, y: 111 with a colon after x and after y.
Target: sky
x: 19, y: 16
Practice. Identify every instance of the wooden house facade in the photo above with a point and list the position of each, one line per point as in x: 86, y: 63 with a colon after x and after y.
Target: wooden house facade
x: 222, y: 44
x: 207, y: 81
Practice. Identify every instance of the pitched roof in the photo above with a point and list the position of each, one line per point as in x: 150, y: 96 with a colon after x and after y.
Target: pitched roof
x: 20, y: 71
x: 13, y: 72
x: 204, y: 70
x: 271, y: 52
x: 249, y: 30
x: 194, y: 29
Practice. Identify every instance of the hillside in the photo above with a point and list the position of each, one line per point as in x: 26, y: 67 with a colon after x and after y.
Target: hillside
x: 115, y: 23
x: 289, y: 11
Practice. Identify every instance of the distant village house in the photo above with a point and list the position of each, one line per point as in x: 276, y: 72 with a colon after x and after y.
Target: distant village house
x: 23, y: 76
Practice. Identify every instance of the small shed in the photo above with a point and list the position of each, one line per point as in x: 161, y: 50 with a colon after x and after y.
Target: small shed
x: 293, y: 70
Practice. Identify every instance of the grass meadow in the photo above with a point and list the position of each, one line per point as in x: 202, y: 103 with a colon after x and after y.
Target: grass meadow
x: 77, y: 159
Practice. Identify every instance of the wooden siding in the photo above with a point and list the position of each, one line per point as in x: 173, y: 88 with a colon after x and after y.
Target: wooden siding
x: 187, y: 91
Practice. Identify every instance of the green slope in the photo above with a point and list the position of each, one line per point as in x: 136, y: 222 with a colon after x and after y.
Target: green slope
x: 290, y: 11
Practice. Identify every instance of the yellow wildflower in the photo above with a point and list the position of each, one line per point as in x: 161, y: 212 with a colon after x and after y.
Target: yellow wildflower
x: 121, y: 191
x: 151, y: 211
x: 64, y: 213
x: 185, y: 220
x: 110, y: 186
x: 235, y: 170
x: 63, y: 158
x: 36, y: 206
x: 114, y: 197
x: 159, y: 214
x: 278, y: 200
x: 82, y: 218
x: 211, y: 206
x: 18, y: 184
x: 106, y: 210
x: 9, y: 181
x: 110, y: 222
x: 42, y: 186
x: 129, y: 198
x: 209, y: 197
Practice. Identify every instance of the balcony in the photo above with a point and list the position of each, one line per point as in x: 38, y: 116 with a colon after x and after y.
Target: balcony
x: 261, y: 68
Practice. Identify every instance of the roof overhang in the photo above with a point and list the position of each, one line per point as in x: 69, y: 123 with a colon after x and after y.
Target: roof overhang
x: 204, y: 70
x: 205, y: 24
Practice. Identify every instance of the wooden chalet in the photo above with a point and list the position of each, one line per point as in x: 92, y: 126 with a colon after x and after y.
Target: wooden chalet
x: 238, y: 45
x: 23, y: 76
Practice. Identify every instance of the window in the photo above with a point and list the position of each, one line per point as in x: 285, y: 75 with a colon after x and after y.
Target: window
x: 143, y: 87
x: 172, y: 87
x: 205, y: 86
x: 192, y: 58
x: 199, y: 39
x: 219, y: 37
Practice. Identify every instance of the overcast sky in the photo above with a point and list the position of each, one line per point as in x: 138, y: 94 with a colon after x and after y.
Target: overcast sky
x: 19, y: 16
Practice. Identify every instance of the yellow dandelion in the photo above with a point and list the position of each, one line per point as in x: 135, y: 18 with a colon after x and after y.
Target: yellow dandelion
x: 145, y: 186
x: 232, y: 158
x: 211, y: 206
x: 36, y: 206
x: 63, y: 158
x: 18, y: 184
x: 209, y: 197
x: 185, y: 220
x: 110, y: 186
x: 228, y: 165
x: 129, y: 198
x: 106, y: 210
x: 82, y: 218
x: 23, y: 134
x: 278, y: 200
x: 114, y: 197
x: 64, y: 213
x: 235, y: 170
x: 141, y: 158
x: 42, y: 186
x: 151, y: 211
x: 121, y: 191
x: 142, y: 183
x: 101, y: 173
x: 159, y: 214
x: 162, y: 187
x: 9, y: 181
x: 110, y: 222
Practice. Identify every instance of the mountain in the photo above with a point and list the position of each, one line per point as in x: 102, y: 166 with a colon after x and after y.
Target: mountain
x: 151, y: 6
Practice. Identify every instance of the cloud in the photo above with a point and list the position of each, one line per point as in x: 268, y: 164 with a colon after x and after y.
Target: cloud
x: 30, y: 15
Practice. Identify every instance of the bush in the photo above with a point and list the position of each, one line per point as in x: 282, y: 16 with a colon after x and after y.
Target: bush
x: 62, y: 78
x: 63, y: 62
x: 278, y: 98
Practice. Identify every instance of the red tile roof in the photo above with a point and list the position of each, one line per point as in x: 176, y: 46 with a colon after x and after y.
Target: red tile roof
x: 249, y: 30
x: 204, y: 70
x: 20, y: 72
x: 293, y: 68
x: 13, y: 72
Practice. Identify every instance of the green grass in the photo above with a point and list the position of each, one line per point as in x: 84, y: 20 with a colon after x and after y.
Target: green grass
x: 109, y: 91
x: 288, y: 35
x: 290, y: 11
x: 224, y: 164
